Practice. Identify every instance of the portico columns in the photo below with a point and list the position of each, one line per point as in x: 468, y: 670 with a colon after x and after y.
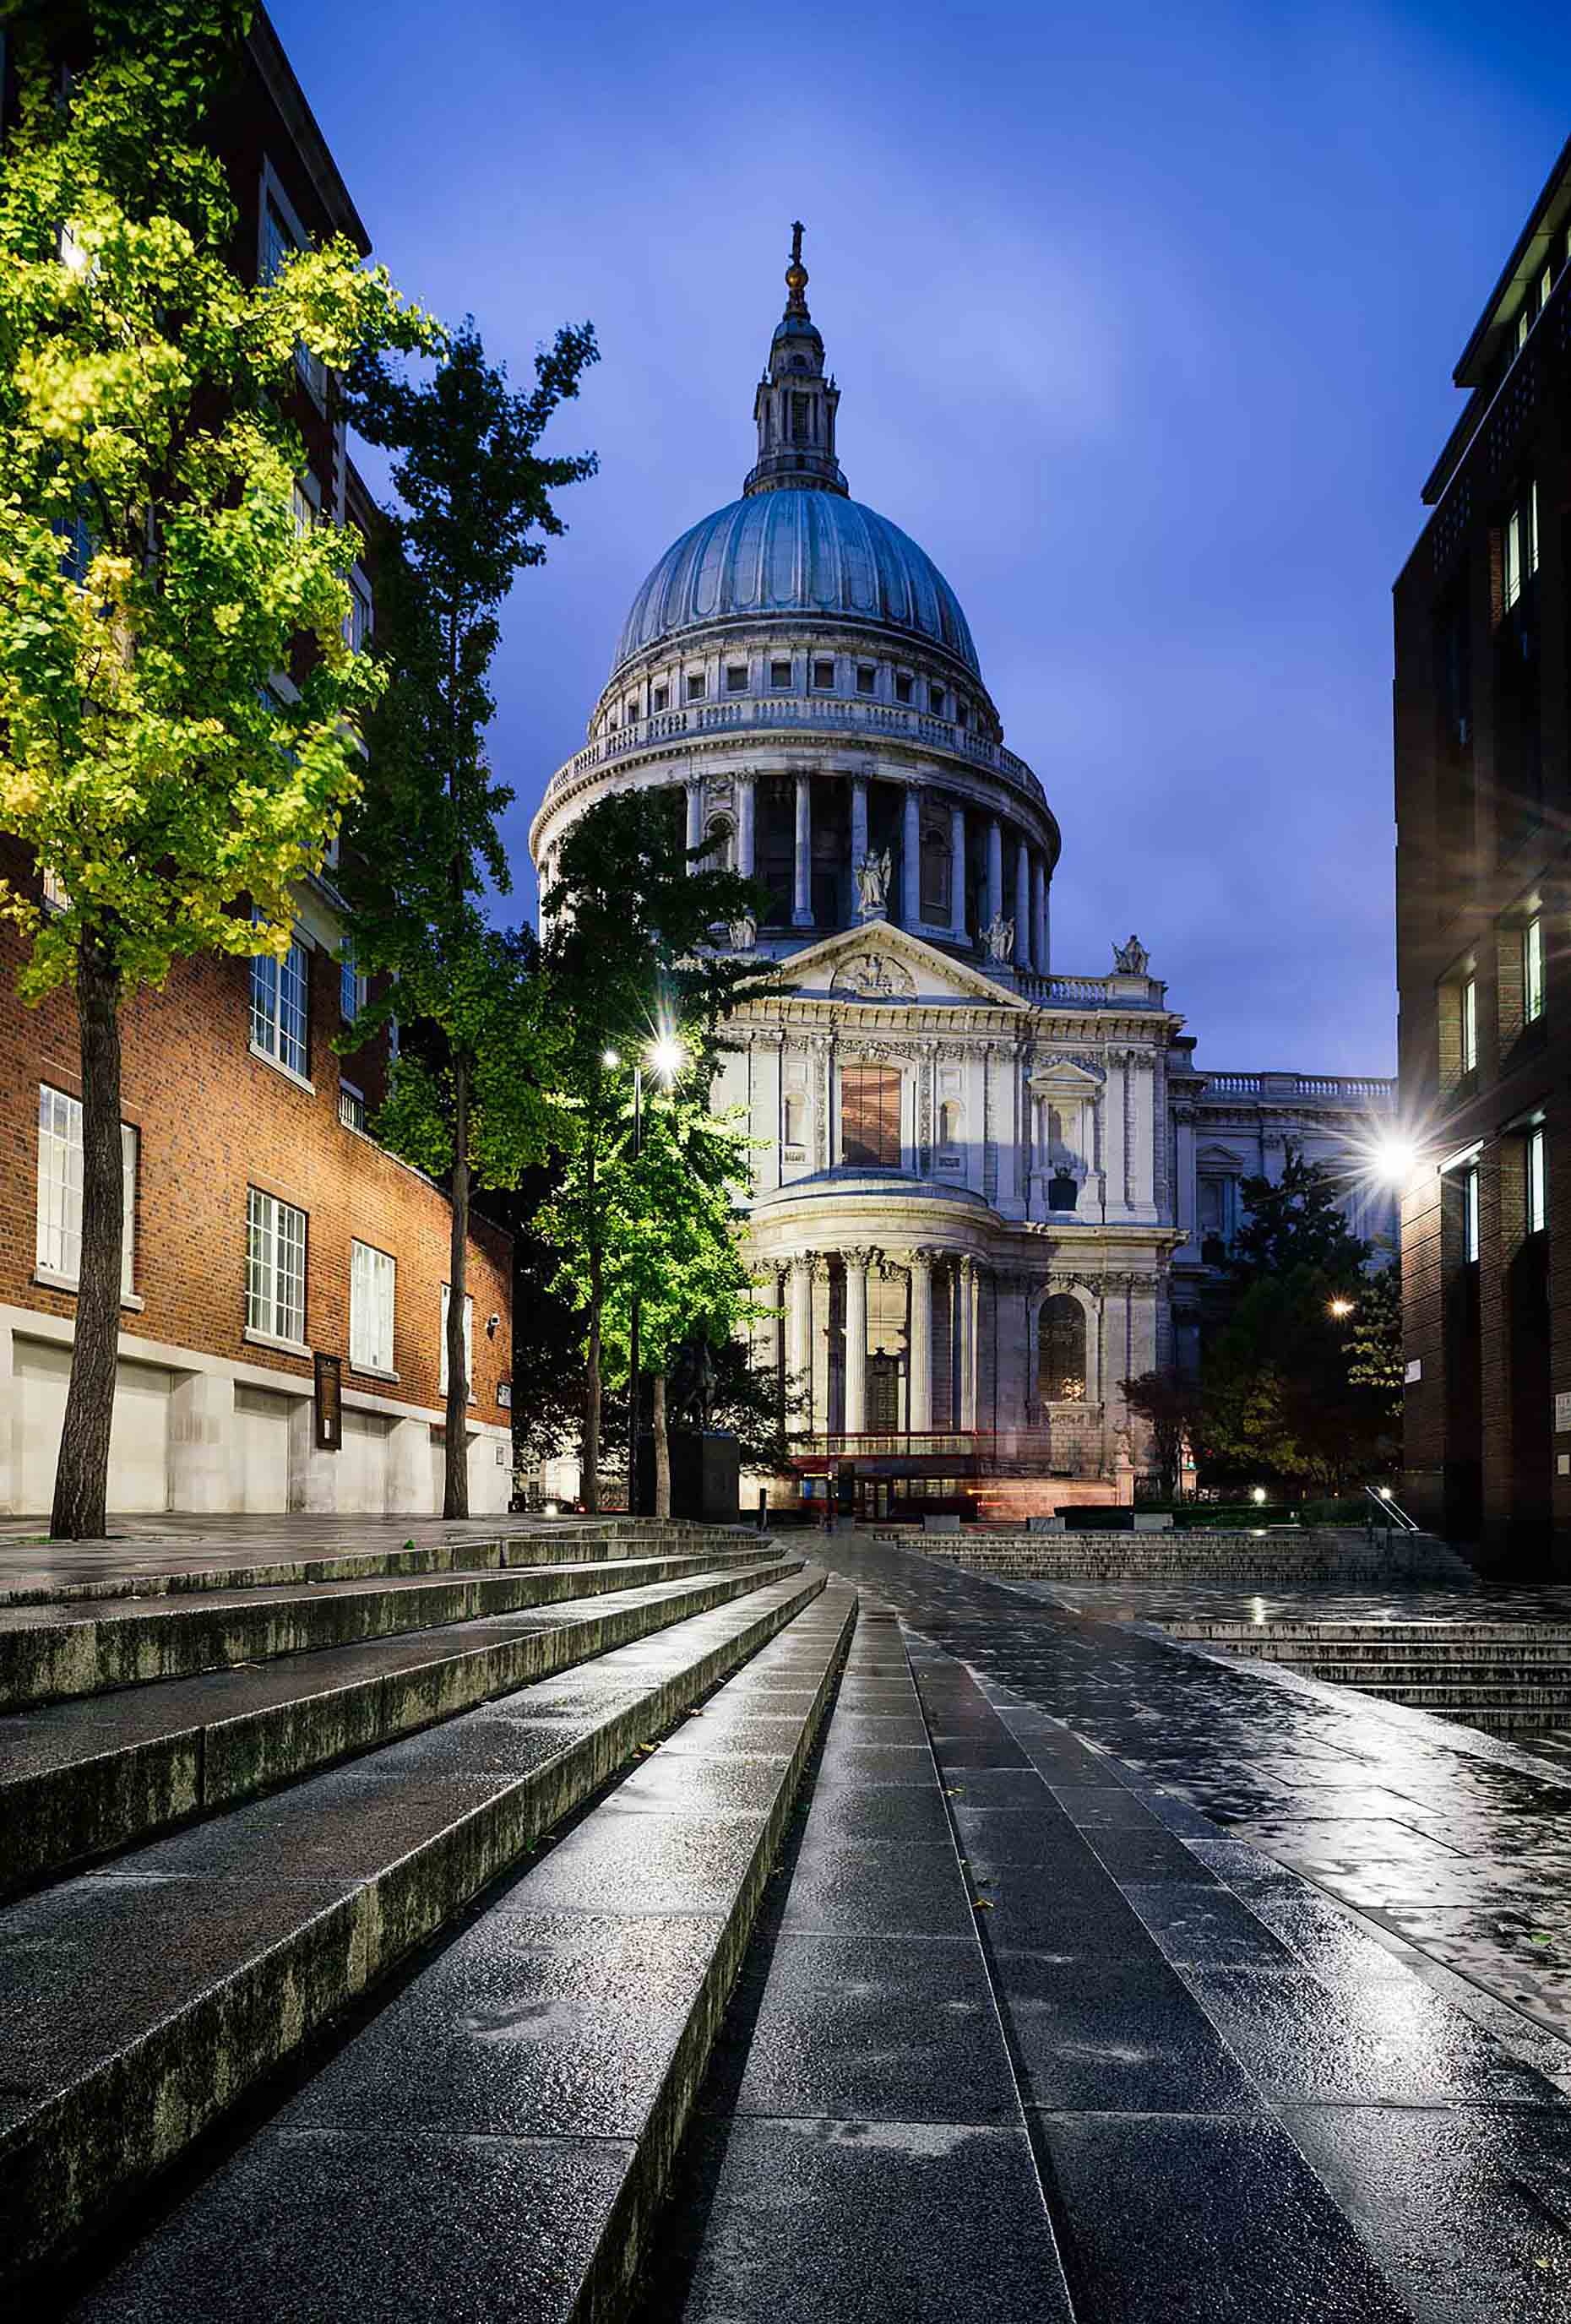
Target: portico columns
x: 958, y: 870
x: 920, y: 1346
x: 1023, y: 905
x: 994, y: 870
x: 856, y: 1263
x: 858, y: 821
x: 695, y: 820
x: 1040, y: 916
x: 800, y: 1317
x: 910, y: 861
x: 802, y: 869
x: 968, y: 1306
x: 745, y: 809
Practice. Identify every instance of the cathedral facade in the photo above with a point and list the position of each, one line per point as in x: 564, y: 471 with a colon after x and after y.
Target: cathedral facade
x: 987, y: 1194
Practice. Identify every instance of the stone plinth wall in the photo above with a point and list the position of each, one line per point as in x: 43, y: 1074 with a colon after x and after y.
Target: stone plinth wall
x: 1314, y: 1554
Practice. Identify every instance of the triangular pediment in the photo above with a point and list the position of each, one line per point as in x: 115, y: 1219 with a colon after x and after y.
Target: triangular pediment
x: 1062, y: 1077
x: 885, y: 965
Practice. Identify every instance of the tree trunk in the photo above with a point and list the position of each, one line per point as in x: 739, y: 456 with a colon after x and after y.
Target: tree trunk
x: 81, y: 1481
x: 456, y: 1466
x: 662, y: 1446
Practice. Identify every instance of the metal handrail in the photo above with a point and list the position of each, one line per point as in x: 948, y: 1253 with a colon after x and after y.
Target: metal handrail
x: 1397, y: 1520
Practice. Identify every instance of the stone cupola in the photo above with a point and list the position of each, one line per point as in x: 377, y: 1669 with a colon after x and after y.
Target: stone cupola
x: 795, y: 405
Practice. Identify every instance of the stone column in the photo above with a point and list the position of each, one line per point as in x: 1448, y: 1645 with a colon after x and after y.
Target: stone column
x: 1113, y: 1162
x: 856, y: 1263
x: 911, y: 860
x: 201, y: 1437
x: 313, y: 1476
x: 967, y: 1310
x: 695, y: 819
x: 994, y: 868
x: 800, y: 1319
x: 920, y: 1350
x: 1040, y: 916
x: 1023, y: 905
x: 802, y: 873
x: 858, y: 820
x: 818, y: 1344
x: 746, y: 808
x: 957, y: 871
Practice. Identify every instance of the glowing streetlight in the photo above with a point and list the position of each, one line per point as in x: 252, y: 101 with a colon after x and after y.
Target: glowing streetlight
x: 611, y: 1059
x: 1340, y: 1308
x: 1393, y: 1158
x: 1258, y: 1496
x: 666, y: 1057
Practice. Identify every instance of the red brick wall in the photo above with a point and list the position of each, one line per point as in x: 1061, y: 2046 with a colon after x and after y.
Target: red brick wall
x: 214, y: 1119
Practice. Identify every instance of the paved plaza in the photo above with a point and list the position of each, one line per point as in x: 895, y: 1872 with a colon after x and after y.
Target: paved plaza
x: 624, y: 1920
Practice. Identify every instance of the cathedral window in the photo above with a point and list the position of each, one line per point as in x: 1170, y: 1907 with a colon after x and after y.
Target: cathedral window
x: 866, y: 677
x: 936, y: 700
x: 1061, y: 1351
x: 780, y: 676
x: 795, y: 1124
x: 951, y: 1123
x: 902, y: 685
x: 737, y: 677
x: 801, y: 418
x: 660, y: 698
x: 696, y: 686
x: 824, y: 676
x: 870, y: 1116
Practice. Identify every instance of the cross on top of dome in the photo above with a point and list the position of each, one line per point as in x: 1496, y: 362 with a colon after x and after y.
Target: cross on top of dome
x: 795, y: 405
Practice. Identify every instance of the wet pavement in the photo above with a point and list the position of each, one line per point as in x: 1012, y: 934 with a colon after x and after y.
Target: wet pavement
x: 1443, y: 1839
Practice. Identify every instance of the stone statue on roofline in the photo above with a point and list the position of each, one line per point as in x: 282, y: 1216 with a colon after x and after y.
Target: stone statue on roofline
x: 744, y: 933
x: 871, y: 877
x: 998, y: 936
x: 1131, y: 959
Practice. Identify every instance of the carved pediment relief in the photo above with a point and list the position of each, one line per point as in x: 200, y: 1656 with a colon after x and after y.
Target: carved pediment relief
x: 874, y: 976
x: 1062, y: 1077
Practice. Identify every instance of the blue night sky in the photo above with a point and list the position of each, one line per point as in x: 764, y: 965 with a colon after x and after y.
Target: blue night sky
x: 1144, y: 318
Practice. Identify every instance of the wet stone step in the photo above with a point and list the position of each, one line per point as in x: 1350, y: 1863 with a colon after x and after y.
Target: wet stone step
x: 48, y: 1653
x: 138, y: 2003
x: 81, y: 1778
x: 497, y: 2141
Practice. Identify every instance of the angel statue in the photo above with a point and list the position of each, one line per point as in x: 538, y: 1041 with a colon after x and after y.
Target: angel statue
x: 872, y: 876
x: 998, y: 935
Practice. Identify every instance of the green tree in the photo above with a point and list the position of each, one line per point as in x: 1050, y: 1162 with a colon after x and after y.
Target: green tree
x: 1374, y: 1337
x: 630, y: 954
x: 667, y: 1219
x: 154, y: 576
x: 475, y: 507
x: 1294, y: 1221
x: 1279, y: 1398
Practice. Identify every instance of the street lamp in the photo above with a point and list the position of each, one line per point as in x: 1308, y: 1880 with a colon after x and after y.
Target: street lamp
x: 1258, y: 1496
x: 1340, y: 1308
x: 665, y: 1057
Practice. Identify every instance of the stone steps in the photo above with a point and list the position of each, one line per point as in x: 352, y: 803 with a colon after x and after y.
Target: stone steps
x: 1281, y: 1556
x: 79, y: 1779
x: 144, y: 1570
x: 138, y: 2003
x: 51, y: 1652
x: 1504, y: 1677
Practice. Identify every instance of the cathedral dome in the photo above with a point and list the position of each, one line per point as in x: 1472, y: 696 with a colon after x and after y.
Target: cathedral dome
x: 808, y: 551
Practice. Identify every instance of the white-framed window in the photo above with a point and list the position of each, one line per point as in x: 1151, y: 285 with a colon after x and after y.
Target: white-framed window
x: 351, y: 1106
x: 372, y: 1288
x: 278, y: 1008
x: 56, y: 895
x: 1533, y: 970
x: 275, y: 1267
x: 1538, y: 1216
x: 58, y: 1248
x: 351, y: 987
x: 360, y: 619
x: 1520, y: 547
x: 468, y: 1343
x: 822, y: 677
x: 866, y: 678
x: 281, y: 236
x: 697, y: 683
x: 1470, y: 1214
x: 737, y: 677
x: 1469, y: 1024
x: 780, y: 676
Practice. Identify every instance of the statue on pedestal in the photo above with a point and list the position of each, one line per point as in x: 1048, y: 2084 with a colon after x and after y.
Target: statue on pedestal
x: 1131, y: 959
x: 871, y: 877
x: 998, y: 936
x: 744, y: 933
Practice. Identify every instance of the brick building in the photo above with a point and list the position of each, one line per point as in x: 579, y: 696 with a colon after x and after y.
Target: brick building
x: 1482, y: 796
x: 264, y: 1226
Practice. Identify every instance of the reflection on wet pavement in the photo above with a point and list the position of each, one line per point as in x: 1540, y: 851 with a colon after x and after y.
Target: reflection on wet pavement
x: 1445, y: 1840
